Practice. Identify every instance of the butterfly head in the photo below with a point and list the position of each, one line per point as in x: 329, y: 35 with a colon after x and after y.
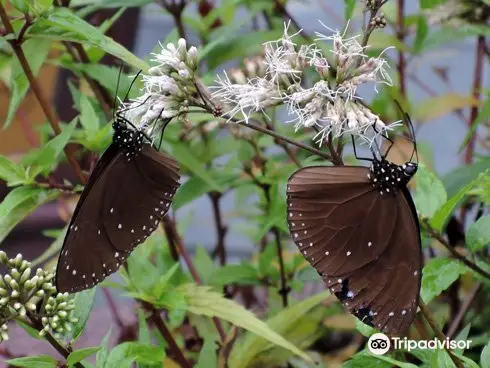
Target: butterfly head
x: 409, y: 169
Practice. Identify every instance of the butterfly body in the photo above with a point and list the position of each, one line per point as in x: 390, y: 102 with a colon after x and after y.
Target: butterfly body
x: 127, y: 195
x: 357, y: 226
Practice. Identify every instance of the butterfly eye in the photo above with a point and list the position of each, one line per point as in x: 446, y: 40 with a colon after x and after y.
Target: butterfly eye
x: 410, y: 168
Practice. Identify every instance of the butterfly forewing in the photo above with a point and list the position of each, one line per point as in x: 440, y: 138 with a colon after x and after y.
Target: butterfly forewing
x: 120, y: 196
x: 365, y: 245
x: 140, y: 199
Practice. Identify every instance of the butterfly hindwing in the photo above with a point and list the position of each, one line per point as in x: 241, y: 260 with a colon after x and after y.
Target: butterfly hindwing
x: 365, y: 245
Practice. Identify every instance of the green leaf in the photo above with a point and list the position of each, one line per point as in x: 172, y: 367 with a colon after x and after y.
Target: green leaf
x: 422, y: 31
x: 124, y: 354
x: 103, y: 352
x: 39, y: 361
x: 64, y: 25
x: 430, y: 193
x: 21, y: 5
x: 88, y: 116
x: 438, y: 275
x: 161, y: 285
x: 464, y: 175
x: 201, y: 300
x: 485, y: 356
x: 144, y: 335
x: 79, y: 355
x: 19, y: 203
x: 478, y: 234
x: 234, y: 274
x: 442, y: 359
x: 84, y: 301
x: 204, y: 263
x: 35, y: 52
x: 12, y: 173
x: 207, y: 356
x: 188, y: 159
x: 350, y: 5
x: 462, y: 336
x: 436, y: 107
x: 442, y: 214
x: 46, y: 159
x: 251, y: 346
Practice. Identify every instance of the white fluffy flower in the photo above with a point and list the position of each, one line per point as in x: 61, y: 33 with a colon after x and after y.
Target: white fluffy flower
x: 246, y: 99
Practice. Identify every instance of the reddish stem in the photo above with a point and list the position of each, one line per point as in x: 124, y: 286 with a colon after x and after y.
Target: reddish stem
x: 401, y: 56
x: 478, y: 76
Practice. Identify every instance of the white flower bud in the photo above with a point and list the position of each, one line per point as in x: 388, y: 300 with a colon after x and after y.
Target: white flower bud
x: 14, y: 294
x: 3, y: 257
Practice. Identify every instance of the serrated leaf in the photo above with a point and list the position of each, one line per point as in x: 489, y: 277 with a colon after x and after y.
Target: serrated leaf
x: 12, y: 173
x: 79, y: 355
x: 128, y: 352
x: 84, y: 301
x: 47, y: 157
x: 188, y: 160
x: 234, y: 274
x: 435, y: 107
x: 430, y: 193
x: 39, y: 361
x: 88, y: 116
x: 201, y: 300
x: 438, y: 274
x: 64, y: 25
x: 251, y: 346
x: 440, y: 217
x: 19, y: 203
x: 478, y: 234
x: 35, y: 52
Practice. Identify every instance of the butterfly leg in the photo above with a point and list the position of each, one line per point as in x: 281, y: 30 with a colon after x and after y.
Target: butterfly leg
x: 385, y: 136
x: 355, y: 151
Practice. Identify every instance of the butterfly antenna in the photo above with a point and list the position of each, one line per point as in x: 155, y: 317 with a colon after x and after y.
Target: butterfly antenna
x: 115, y: 96
x: 411, y: 129
x: 131, y: 85
x: 355, y: 151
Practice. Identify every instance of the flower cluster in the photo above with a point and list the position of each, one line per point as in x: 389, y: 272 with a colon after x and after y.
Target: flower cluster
x: 169, y: 87
x: 331, y: 105
x: 20, y: 291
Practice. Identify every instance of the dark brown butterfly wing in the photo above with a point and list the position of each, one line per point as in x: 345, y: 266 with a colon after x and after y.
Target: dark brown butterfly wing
x: 118, y: 192
x: 365, y: 245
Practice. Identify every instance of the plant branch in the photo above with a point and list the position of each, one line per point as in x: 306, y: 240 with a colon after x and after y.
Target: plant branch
x: 434, y: 234
x: 478, y: 76
x: 174, y: 349
x: 438, y: 332
x: 41, y: 98
x: 37, y: 325
x: 400, y: 33
x: 453, y: 328
x: 48, y: 112
x: 221, y: 229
